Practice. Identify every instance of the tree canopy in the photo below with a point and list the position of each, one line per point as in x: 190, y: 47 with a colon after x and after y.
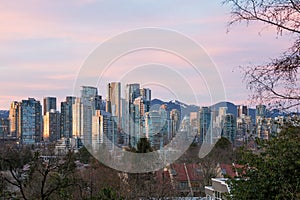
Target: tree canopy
x: 144, y: 146
x: 273, y: 173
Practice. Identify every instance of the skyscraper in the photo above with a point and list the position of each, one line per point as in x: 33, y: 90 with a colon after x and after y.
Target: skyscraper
x: 113, y: 101
x: 103, y: 130
x: 229, y: 127
x: 220, y: 118
x: 76, y: 118
x: 205, y: 125
x: 146, y: 94
x: 4, y: 127
x: 261, y: 111
x: 242, y: 110
x: 66, y: 118
x: 175, y: 120
x: 30, y: 118
x: 51, y: 126
x: 153, y: 127
x: 83, y: 110
x: 51, y: 119
x: 13, y: 118
x: 49, y: 103
x: 132, y: 92
x: 139, y: 107
x: 138, y: 119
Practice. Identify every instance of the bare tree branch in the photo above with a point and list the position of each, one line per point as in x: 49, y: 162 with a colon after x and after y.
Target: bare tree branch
x: 276, y: 82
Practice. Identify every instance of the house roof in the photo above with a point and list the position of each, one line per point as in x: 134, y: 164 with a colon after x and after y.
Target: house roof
x: 230, y: 170
x: 179, y: 172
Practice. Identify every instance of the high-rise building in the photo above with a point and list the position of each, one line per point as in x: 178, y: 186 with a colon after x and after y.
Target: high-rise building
x: 49, y: 104
x: 4, y: 127
x: 265, y: 127
x: 194, y: 119
x: 146, y: 94
x: 113, y: 101
x: 223, y: 111
x: 132, y: 92
x: 13, y: 118
x: 83, y: 110
x: 244, y: 128
x: 242, y: 110
x: 51, y: 119
x: 205, y: 125
x: 229, y: 127
x: 165, y: 125
x: 220, y: 118
x: 51, y: 126
x: 97, y: 129
x: 76, y: 118
x: 90, y: 102
x: 137, y: 103
x: 175, y: 121
x: 66, y: 118
x: 140, y: 107
x: 153, y: 128
x: 138, y: 119
x: 261, y: 111
x: 124, y: 112
x: 103, y: 130
x: 30, y: 121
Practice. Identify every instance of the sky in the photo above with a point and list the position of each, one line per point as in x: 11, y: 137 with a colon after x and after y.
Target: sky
x: 45, y: 44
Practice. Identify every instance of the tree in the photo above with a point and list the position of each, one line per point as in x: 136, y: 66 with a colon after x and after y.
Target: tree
x: 277, y: 82
x: 98, y: 180
x: 12, y: 160
x: 222, y: 152
x: 107, y: 194
x: 84, y: 156
x: 35, y: 177
x: 144, y: 146
x: 274, y: 173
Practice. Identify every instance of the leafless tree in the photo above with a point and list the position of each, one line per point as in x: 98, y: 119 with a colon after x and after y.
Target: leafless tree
x: 277, y: 82
x: 37, y: 177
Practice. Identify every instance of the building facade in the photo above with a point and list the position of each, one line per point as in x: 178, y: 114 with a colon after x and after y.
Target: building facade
x: 66, y: 118
x: 49, y: 104
x: 205, y: 125
x: 51, y: 126
x: 13, y: 118
x: 229, y: 127
x: 30, y: 121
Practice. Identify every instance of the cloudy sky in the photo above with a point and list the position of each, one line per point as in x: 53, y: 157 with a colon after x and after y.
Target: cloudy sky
x: 44, y: 44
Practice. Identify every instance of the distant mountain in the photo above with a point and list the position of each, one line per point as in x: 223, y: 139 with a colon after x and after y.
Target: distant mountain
x: 156, y: 101
x: 183, y: 108
x: 4, y: 113
x: 231, y: 108
x: 275, y: 113
x: 186, y: 109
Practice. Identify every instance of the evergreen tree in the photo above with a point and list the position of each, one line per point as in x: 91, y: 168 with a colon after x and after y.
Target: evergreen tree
x: 274, y: 172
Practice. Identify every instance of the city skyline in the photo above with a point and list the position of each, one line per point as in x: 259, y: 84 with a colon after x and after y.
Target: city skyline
x: 43, y: 47
x: 67, y: 98
x: 166, y: 125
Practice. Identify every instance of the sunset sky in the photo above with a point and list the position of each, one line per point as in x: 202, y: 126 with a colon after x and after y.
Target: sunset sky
x: 45, y: 43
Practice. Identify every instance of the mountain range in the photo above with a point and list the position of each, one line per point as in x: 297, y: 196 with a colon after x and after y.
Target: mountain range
x: 186, y: 109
